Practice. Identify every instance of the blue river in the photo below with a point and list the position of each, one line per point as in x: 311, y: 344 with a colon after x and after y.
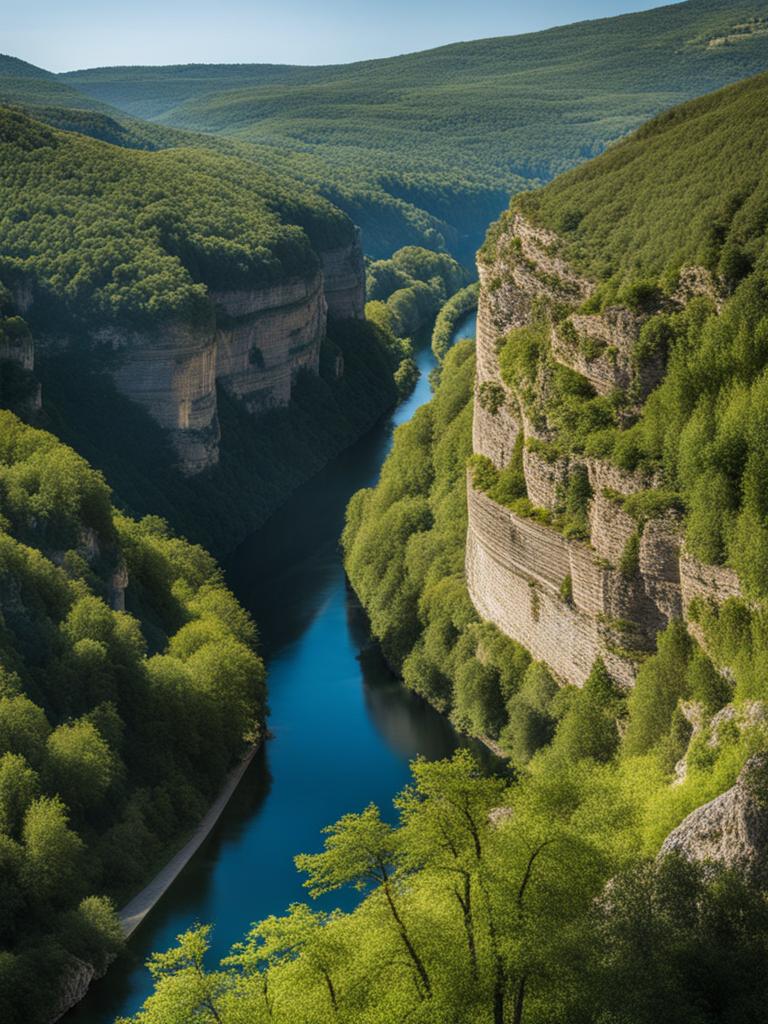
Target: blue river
x: 343, y: 728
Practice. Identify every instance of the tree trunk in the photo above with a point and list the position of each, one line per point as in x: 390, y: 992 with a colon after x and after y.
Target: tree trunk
x: 417, y: 961
x: 520, y: 1000
x: 331, y: 991
x: 465, y: 902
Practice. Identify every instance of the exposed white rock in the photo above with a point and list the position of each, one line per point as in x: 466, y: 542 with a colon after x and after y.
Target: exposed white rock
x: 732, y: 829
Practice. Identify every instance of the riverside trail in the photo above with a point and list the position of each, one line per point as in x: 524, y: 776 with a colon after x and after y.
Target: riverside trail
x: 344, y: 728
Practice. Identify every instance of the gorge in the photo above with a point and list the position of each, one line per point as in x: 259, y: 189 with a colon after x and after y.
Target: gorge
x: 320, y: 656
x: 510, y: 582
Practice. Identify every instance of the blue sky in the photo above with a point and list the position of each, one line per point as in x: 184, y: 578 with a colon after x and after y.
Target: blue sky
x: 65, y: 34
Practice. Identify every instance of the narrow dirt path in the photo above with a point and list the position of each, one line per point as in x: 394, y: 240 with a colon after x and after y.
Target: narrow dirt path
x: 134, y: 912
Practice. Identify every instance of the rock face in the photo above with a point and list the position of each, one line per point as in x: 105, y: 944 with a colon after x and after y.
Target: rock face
x: 75, y: 984
x: 264, y: 337
x: 19, y: 350
x: 256, y: 342
x: 172, y: 373
x: 344, y: 276
x: 731, y: 830
x: 566, y: 600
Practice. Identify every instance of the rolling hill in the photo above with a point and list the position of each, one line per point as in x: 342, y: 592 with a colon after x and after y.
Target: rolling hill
x: 437, y: 140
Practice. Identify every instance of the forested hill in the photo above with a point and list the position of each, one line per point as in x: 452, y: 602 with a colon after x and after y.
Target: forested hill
x: 451, y: 131
x: 689, y: 187
x: 27, y: 84
x: 129, y: 685
x: 103, y: 241
x: 103, y: 232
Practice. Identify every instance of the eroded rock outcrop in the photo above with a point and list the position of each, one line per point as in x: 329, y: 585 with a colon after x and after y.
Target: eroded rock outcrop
x: 254, y: 343
x: 524, y: 268
x: 732, y: 830
x: 265, y: 336
x: 570, y: 600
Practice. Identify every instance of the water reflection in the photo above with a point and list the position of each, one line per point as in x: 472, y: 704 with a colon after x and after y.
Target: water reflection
x: 344, y: 728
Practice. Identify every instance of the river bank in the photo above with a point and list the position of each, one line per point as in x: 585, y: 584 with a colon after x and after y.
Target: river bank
x: 134, y: 912
x: 344, y: 729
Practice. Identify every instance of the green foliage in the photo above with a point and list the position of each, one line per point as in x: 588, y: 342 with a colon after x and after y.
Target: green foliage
x: 404, y: 554
x: 702, y: 429
x: 425, y: 148
x: 629, y: 563
x: 661, y: 683
x: 141, y: 237
x: 575, y: 519
x: 588, y: 728
x: 691, y: 224
x: 449, y: 317
x: 489, y: 901
x: 107, y: 756
x: 414, y: 285
x: 491, y: 396
x: 531, y: 723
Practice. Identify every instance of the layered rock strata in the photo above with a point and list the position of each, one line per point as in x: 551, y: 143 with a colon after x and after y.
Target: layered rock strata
x: 569, y: 601
x: 344, y: 277
x: 265, y: 336
x: 255, y: 343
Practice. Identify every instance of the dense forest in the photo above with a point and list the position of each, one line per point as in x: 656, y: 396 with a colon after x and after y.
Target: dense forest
x: 107, y: 236
x: 140, y: 236
x: 116, y: 726
x: 542, y: 896
x: 425, y: 148
x: 407, y: 291
x: 493, y: 902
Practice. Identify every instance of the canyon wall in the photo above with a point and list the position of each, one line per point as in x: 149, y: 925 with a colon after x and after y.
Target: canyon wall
x: 567, y: 600
x: 344, y: 280
x: 265, y: 336
x: 254, y: 345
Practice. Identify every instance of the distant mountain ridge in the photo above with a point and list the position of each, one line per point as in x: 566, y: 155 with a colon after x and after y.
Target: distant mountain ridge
x: 424, y: 148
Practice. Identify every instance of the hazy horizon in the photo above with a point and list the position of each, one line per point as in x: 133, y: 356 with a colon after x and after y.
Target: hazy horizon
x: 84, y: 34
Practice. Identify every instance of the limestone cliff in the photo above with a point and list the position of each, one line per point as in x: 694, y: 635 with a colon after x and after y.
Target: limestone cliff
x: 571, y: 600
x: 265, y: 336
x: 254, y: 343
x: 344, y: 280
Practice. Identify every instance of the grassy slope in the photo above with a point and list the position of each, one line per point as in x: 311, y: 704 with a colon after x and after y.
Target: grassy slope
x: 448, y: 131
x: 679, y: 189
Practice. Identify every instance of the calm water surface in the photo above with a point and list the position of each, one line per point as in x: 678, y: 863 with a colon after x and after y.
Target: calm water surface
x: 344, y: 728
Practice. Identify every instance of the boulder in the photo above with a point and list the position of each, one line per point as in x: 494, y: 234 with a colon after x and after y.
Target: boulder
x: 732, y: 830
